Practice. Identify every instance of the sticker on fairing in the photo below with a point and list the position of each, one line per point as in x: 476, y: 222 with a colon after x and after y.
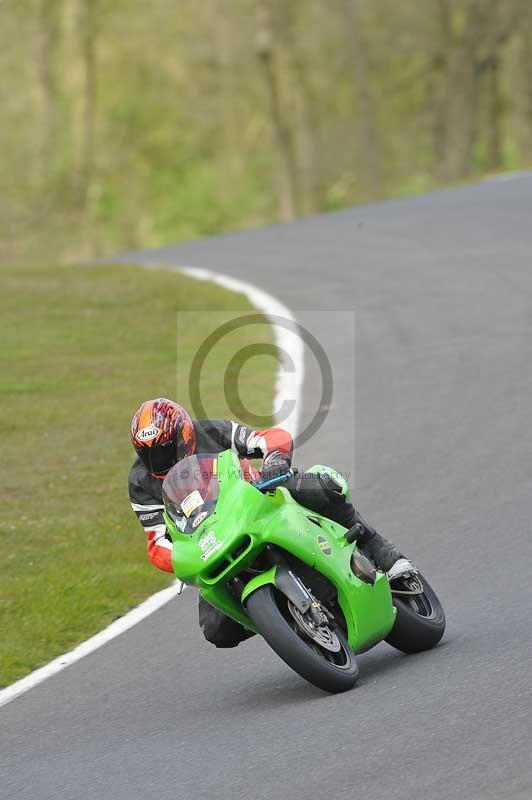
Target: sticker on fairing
x: 207, y: 541
x: 182, y: 524
x: 191, y: 502
x: 199, y: 519
x: 208, y: 553
x: 209, y: 544
x: 324, y: 546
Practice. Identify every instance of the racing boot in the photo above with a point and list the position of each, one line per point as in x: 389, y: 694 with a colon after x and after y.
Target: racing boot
x: 320, y: 491
x: 383, y: 553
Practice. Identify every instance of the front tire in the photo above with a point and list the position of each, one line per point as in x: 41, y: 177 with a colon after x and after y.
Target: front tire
x: 332, y: 672
x: 420, y: 620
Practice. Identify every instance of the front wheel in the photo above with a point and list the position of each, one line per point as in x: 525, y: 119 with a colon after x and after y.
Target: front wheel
x: 320, y: 655
x: 420, y: 620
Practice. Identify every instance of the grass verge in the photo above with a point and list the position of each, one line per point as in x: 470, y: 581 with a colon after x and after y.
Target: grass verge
x: 81, y: 349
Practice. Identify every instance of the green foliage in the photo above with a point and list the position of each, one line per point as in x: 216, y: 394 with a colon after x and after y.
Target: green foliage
x: 128, y: 125
x: 81, y: 349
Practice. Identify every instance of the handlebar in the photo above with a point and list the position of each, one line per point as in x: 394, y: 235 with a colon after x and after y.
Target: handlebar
x: 263, y: 485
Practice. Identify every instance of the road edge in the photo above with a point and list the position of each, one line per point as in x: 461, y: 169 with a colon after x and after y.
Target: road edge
x: 288, y: 386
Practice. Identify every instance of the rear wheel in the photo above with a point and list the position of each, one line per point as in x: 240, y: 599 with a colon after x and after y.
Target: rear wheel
x: 420, y: 621
x: 320, y: 654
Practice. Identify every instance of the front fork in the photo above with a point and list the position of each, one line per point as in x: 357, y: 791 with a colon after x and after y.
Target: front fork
x: 286, y: 582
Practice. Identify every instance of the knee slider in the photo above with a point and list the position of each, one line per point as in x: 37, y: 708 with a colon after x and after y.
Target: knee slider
x: 333, y: 483
x: 309, y: 492
x: 333, y: 490
x: 320, y: 488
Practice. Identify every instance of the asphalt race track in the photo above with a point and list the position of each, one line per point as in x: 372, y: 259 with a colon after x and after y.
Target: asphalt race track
x: 442, y: 289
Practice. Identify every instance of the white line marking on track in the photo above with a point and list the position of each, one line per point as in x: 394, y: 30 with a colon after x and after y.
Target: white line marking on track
x: 117, y: 627
x: 289, y: 383
x: 288, y: 388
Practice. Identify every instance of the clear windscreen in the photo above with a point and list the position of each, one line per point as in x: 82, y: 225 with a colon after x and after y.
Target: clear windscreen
x: 190, y: 491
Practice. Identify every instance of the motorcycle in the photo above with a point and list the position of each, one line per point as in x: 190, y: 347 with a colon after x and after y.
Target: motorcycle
x: 288, y: 573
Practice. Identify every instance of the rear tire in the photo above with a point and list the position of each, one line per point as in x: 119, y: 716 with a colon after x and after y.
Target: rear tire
x: 268, y: 609
x: 420, y: 621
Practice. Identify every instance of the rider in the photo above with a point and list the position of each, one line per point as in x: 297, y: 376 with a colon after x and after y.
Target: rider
x: 163, y: 433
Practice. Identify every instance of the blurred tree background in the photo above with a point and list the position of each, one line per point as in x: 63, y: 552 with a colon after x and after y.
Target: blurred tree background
x: 128, y: 124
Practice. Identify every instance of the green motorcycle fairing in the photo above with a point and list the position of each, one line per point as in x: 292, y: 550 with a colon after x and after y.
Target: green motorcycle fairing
x: 220, y: 524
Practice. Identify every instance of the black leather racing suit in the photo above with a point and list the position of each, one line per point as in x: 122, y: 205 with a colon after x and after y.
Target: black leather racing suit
x: 318, y: 493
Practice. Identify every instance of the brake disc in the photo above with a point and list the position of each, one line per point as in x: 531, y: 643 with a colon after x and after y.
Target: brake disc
x: 321, y: 634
